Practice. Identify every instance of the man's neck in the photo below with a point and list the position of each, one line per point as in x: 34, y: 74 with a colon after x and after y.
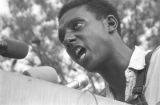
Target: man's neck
x: 116, y: 79
x: 114, y: 71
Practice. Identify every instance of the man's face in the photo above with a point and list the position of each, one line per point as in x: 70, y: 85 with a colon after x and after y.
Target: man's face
x: 85, y: 38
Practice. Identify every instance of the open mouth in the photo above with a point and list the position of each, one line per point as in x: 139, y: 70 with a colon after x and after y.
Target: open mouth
x: 80, y: 52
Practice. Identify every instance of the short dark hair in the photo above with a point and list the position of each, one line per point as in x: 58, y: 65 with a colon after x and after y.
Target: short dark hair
x: 101, y: 8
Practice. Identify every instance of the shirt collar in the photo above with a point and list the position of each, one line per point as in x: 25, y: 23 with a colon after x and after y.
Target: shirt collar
x: 137, y: 60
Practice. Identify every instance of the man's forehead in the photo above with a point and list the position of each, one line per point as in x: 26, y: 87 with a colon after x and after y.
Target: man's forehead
x: 77, y: 12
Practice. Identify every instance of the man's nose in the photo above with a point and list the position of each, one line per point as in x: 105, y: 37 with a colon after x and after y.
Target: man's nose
x: 69, y: 38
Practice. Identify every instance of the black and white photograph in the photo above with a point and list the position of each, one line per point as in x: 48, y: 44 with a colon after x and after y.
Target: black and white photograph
x: 79, y: 52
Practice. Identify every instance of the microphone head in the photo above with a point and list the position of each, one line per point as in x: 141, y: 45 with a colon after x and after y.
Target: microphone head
x: 16, y: 49
x: 44, y: 73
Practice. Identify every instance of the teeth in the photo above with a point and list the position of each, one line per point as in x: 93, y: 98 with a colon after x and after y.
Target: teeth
x: 82, y: 56
x: 78, y: 50
x: 80, y: 53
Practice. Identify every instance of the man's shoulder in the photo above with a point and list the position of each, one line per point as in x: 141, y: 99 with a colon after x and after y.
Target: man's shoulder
x: 155, y: 54
x: 157, y: 50
x: 152, y: 86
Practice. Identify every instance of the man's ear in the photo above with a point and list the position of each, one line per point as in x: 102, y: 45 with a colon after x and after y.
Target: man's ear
x: 112, y: 23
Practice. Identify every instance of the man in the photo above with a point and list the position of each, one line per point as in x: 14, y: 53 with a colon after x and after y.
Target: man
x: 90, y: 31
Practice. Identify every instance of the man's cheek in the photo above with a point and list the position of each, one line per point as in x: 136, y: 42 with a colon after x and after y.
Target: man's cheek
x: 158, y: 103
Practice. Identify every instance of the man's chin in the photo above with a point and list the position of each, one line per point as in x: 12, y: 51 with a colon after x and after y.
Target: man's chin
x: 91, y: 70
x: 88, y: 63
x: 95, y: 66
x: 90, y: 67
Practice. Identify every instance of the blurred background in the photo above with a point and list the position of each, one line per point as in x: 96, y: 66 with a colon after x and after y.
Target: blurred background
x: 35, y: 22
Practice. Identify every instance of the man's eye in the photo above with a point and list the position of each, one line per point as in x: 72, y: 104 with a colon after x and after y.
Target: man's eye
x: 77, y: 26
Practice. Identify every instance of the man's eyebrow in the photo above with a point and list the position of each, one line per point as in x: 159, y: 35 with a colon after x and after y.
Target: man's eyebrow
x: 75, y: 19
x: 72, y: 21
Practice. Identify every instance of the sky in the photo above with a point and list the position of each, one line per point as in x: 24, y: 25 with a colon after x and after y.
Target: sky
x: 4, y: 7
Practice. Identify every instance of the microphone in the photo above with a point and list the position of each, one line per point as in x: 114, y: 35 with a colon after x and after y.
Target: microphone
x: 81, y: 82
x: 13, y: 48
x: 43, y: 72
